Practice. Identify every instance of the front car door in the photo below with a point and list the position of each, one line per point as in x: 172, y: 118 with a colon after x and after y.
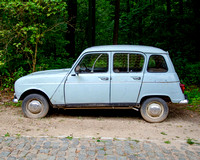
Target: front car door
x: 92, y: 83
x: 127, y: 76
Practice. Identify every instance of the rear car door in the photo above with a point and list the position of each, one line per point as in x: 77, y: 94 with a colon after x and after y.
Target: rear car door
x: 127, y: 75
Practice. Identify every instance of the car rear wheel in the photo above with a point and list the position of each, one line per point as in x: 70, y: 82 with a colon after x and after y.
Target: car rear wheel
x: 154, y: 110
x: 35, y: 106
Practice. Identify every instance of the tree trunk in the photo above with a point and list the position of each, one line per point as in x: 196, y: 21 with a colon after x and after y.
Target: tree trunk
x: 168, y: 7
x: 128, y: 6
x: 34, y: 60
x: 181, y: 7
x: 140, y: 26
x: 196, y: 11
x: 91, y: 31
x: 70, y: 35
x: 140, y: 29
x: 116, y: 25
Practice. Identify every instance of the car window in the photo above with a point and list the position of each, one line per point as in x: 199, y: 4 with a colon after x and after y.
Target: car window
x: 157, y: 64
x: 92, y: 63
x: 125, y: 63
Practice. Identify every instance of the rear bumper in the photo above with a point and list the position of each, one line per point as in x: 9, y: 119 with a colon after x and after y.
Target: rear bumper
x: 15, y: 100
x: 185, y: 101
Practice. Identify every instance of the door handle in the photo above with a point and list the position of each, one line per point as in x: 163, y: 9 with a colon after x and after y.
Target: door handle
x: 104, y: 78
x: 136, y: 78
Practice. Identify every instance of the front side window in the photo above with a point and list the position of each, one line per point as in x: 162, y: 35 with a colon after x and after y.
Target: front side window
x: 125, y: 63
x: 157, y: 64
x: 92, y: 63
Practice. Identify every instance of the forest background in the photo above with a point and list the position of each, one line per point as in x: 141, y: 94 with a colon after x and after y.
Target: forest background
x: 49, y: 34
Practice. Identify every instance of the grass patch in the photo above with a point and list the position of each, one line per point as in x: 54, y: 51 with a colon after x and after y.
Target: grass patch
x: 7, y: 135
x: 163, y: 133
x: 18, y: 135
x: 69, y: 137
x: 99, y: 140
x: 19, y: 104
x: 167, y: 142
x: 192, y: 141
x: 115, y: 139
x: 135, y: 140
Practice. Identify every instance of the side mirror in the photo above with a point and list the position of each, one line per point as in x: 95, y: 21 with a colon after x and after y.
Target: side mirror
x: 77, y: 69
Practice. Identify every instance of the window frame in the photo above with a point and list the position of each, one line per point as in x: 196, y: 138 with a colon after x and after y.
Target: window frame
x: 96, y: 60
x: 128, y: 61
x: 167, y: 68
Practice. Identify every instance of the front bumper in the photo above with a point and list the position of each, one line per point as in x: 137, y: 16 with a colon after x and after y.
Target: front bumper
x: 15, y: 100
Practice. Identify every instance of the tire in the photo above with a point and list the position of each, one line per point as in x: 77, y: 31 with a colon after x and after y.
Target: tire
x: 35, y: 106
x: 154, y: 110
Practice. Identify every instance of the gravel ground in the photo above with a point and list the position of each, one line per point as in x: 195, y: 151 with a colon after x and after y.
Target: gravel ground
x: 97, y: 134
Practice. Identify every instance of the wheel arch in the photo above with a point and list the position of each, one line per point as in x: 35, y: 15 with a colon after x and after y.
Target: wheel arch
x: 164, y: 97
x: 35, y: 91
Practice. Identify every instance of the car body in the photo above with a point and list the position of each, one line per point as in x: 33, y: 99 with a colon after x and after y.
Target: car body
x: 113, y: 76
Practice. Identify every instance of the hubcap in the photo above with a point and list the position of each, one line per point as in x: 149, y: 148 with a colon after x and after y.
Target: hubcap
x: 35, y: 107
x: 155, y: 109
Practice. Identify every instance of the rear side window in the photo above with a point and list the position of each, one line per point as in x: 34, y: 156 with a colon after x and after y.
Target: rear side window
x: 157, y: 64
x: 125, y: 63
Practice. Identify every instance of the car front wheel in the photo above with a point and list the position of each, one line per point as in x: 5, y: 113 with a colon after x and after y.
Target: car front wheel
x: 35, y: 106
x: 154, y: 110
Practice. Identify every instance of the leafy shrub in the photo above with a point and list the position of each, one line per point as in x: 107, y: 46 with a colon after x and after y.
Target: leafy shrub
x: 189, y: 73
x: 193, y: 93
x: 7, y: 79
x: 50, y: 63
x: 192, y: 73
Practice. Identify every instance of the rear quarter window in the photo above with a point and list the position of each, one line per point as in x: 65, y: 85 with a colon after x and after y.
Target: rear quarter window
x: 157, y: 64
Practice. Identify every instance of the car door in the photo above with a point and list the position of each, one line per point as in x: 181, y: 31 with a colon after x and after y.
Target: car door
x: 127, y: 76
x: 89, y: 81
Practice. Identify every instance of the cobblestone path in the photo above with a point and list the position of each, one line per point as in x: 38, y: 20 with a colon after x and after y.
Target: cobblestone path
x: 12, y: 148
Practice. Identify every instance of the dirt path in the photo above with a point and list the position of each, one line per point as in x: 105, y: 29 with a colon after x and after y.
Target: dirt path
x: 180, y: 125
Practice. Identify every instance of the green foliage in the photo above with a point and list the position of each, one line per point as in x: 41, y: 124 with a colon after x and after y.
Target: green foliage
x: 7, y: 134
x: 19, y: 104
x: 7, y: 79
x: 25, y: 40
x: 69, y: 137
x: 188, y: 72
x: 99, y: 140
x: 192, y: 73
x: 163, y: 133
x: 135, y: 140
x: 192, y: 141
x: 33, y: 34
x: 193, y: 93
x: 18, y: 135
x: 167, y: 142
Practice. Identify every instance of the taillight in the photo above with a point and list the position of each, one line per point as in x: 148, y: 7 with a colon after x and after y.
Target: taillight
x: 182, y: 87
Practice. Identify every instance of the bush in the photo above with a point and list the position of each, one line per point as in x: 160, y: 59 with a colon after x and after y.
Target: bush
x: 189, y: 73
x: 193, y: 93
x: 192, y: 74
x: 7, y: 79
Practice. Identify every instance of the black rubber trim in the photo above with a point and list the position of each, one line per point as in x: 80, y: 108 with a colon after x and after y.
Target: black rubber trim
x: 96, y: 105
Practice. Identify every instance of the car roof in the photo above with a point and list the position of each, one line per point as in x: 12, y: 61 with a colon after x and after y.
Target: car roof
x: 124, y: 48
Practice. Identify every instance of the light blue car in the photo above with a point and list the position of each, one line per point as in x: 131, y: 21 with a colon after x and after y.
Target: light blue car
x: 104, y: 77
